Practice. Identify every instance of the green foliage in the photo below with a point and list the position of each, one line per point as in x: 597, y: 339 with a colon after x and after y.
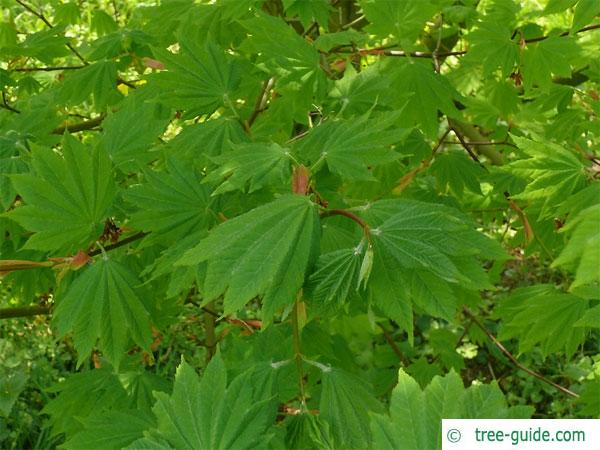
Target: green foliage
x: 298, y: 200
x: 415, y: 414
x: 67, y: 198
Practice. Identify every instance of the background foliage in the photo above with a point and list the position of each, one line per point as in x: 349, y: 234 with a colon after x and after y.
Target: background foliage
x: 295, y: 223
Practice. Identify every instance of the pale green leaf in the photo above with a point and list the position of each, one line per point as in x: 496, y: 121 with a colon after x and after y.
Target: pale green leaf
x: 542, y: 60
x: 128, y: 134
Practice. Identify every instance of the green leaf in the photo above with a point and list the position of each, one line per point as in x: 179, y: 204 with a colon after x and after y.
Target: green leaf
x: 98, y: 79
x: 418, y: 249
x: 350, y: 147
x: 431, y: 92
x: 308, y: 431
x: 81, y: 395
x: 264, y: 252
x: 556, y: 6
x: 492, y: 46
x: 309, y: 11
x: 202, y: 140
x: 111, y: 430
x: 128, y: 134
x: 209, y: 414
x: 553, y: 171
x: 581, y: 252
x: 255, y: 165
x: 403, y: 20
x: 12, y: 383
x: 416, y: 415
x: 335, y: 277
x: 357, y: 92
x: 199, y: 79
x: 542, y: 315
x: 171, y: 204
x: 101, y: 303
x: 542, y: 60
x: 66, y: 198
x: 345, y: 404
x: 282, y: 52
x: 590, y: 399
x: 585, y: 12
x: 455, y: 170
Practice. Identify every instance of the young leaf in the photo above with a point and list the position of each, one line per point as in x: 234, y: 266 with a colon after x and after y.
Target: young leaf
x: 264, y: 252
x: 101, y: 303
x: 66, y: 199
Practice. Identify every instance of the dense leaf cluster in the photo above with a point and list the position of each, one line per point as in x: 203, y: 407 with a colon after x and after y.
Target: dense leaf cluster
x: 337, y: 190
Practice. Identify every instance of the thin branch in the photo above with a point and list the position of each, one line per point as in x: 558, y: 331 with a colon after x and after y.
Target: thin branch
x: 407, y: 178
x: 261, y: 102
x: 46, y: 68
x: 403, y: 54
x: 24, y: 311
x: 390, y: 340
x: 6, y: 106
x: 121, y: 243
x: 465, y: 145
x: 82, y: 126
x: 566, y: 33
x: 514, y: 360
x: 510, y: 144
x: 350, y: 215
